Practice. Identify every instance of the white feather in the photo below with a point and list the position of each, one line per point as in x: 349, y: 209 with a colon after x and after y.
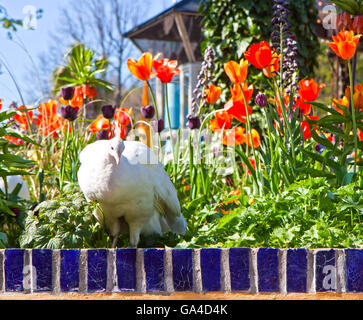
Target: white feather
x: 137, y: 190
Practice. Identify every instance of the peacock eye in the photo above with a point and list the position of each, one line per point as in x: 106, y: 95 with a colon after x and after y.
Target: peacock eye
x: 112, y: 148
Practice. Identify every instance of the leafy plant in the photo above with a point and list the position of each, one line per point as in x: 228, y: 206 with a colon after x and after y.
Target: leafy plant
x: 64, y: 222
x: 12, y: 209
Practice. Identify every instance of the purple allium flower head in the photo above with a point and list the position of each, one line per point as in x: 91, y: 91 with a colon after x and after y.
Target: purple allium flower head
x: 148, y: 111
x: 108, y: 111
x: 102, y: 135
x: 193, y: 122
x: 67, y: 93
x: 261, y: 100
x: 69, y: 113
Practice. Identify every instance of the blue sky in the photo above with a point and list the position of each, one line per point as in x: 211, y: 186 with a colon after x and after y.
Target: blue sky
x: 36, y: 40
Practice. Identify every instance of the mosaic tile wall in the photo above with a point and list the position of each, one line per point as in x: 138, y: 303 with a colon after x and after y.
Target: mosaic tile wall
x: 176, y: 270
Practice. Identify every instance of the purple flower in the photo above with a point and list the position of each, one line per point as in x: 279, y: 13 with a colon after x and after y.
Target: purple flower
x: 157, y: 125
x: 193, y: 122
x: 102, y: 135
x: 69, y: 113
x: 261, y: 100
x: 67, y: 93
x: 148, y: 112
x: 108, y: 111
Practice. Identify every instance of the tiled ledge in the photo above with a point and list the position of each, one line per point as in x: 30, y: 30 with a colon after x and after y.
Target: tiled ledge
x: 164, y: 271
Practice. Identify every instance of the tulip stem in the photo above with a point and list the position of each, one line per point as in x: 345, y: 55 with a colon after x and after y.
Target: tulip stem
x: 170, y: 132
x: 65, y: 145
x: 157, y: 118
x: 355, y: 137
x: 249, y: 132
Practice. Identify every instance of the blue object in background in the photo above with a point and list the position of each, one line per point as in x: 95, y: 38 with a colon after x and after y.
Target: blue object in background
x: 174, y: 106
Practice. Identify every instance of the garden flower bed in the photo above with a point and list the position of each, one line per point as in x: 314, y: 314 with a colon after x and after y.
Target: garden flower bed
x: 269, y: 180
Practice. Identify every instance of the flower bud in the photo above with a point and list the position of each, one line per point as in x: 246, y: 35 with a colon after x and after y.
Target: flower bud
x: 157, y: 125
x: 67, y: 93
x: 344, y: 21
x: 261, y: 100
x: 358, y: 24
x: 148, y: 111
x: 193, y: 122
x: 69, y: 113
x: 102, y: 135
x: 108, y: 111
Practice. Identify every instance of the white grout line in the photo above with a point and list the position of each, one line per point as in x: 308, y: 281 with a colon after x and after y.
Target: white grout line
x: 56, y: 257
x: 282, y: 254
x: 168, y: 270
x: 310, y: 279
x: 225, y: 271
x: 140, y: 272
x: 197, y: 273
x: 340, y: 270
x: 111, y: 284
x: 83, y: 271
x: 29, y: 278
x: 253, y: 270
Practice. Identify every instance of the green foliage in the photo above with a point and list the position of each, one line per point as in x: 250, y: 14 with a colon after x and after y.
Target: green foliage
x: 309, y: 214
x: 230, y: 27
x: 81, y: 68
x: 64, y: 222
x: 354, y: 7
x: 11, y: 164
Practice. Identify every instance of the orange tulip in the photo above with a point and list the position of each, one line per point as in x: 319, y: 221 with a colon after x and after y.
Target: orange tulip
x: 101, y: 123
x: 343, y: 101
x: 213, y: 93
x: 358, y: 97
x: 142, y: 69
x: 306, y: 127
x: 123, y: 116
x: 166, y: 69
x: 345, y: 44
x: 256, y: 140
x: 237, y: 73
x: 274, y: 67
x: 22, y: 117
x: 344, y: 21
x: 14, y: 140
x: 236, y: 105
x: 89, y: 92
x: 235, y: 136
x: 222, y: 121
x: 259, y: 54
x: 360, y: 135
x: 309, y: 90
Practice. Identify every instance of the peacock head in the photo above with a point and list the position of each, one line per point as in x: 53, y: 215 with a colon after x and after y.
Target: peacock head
x: 116, y: 147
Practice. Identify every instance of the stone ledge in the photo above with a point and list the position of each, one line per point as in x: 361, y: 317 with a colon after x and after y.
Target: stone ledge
x: 167, y: 272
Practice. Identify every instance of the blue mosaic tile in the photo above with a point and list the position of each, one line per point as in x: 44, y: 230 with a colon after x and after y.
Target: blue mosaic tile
x: 154, y: 269
x: 210, y: 263
x: 13, y: 265
x: 268, y: 273
x: 97, y: 269
x: 69, y: 269
x: 126, y: 269
x: 325, y: 278
x: 354, y: 270
x: 239, y: 267
x: 296, y: 270
x: 42, y: 263
x: 183, y: 269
